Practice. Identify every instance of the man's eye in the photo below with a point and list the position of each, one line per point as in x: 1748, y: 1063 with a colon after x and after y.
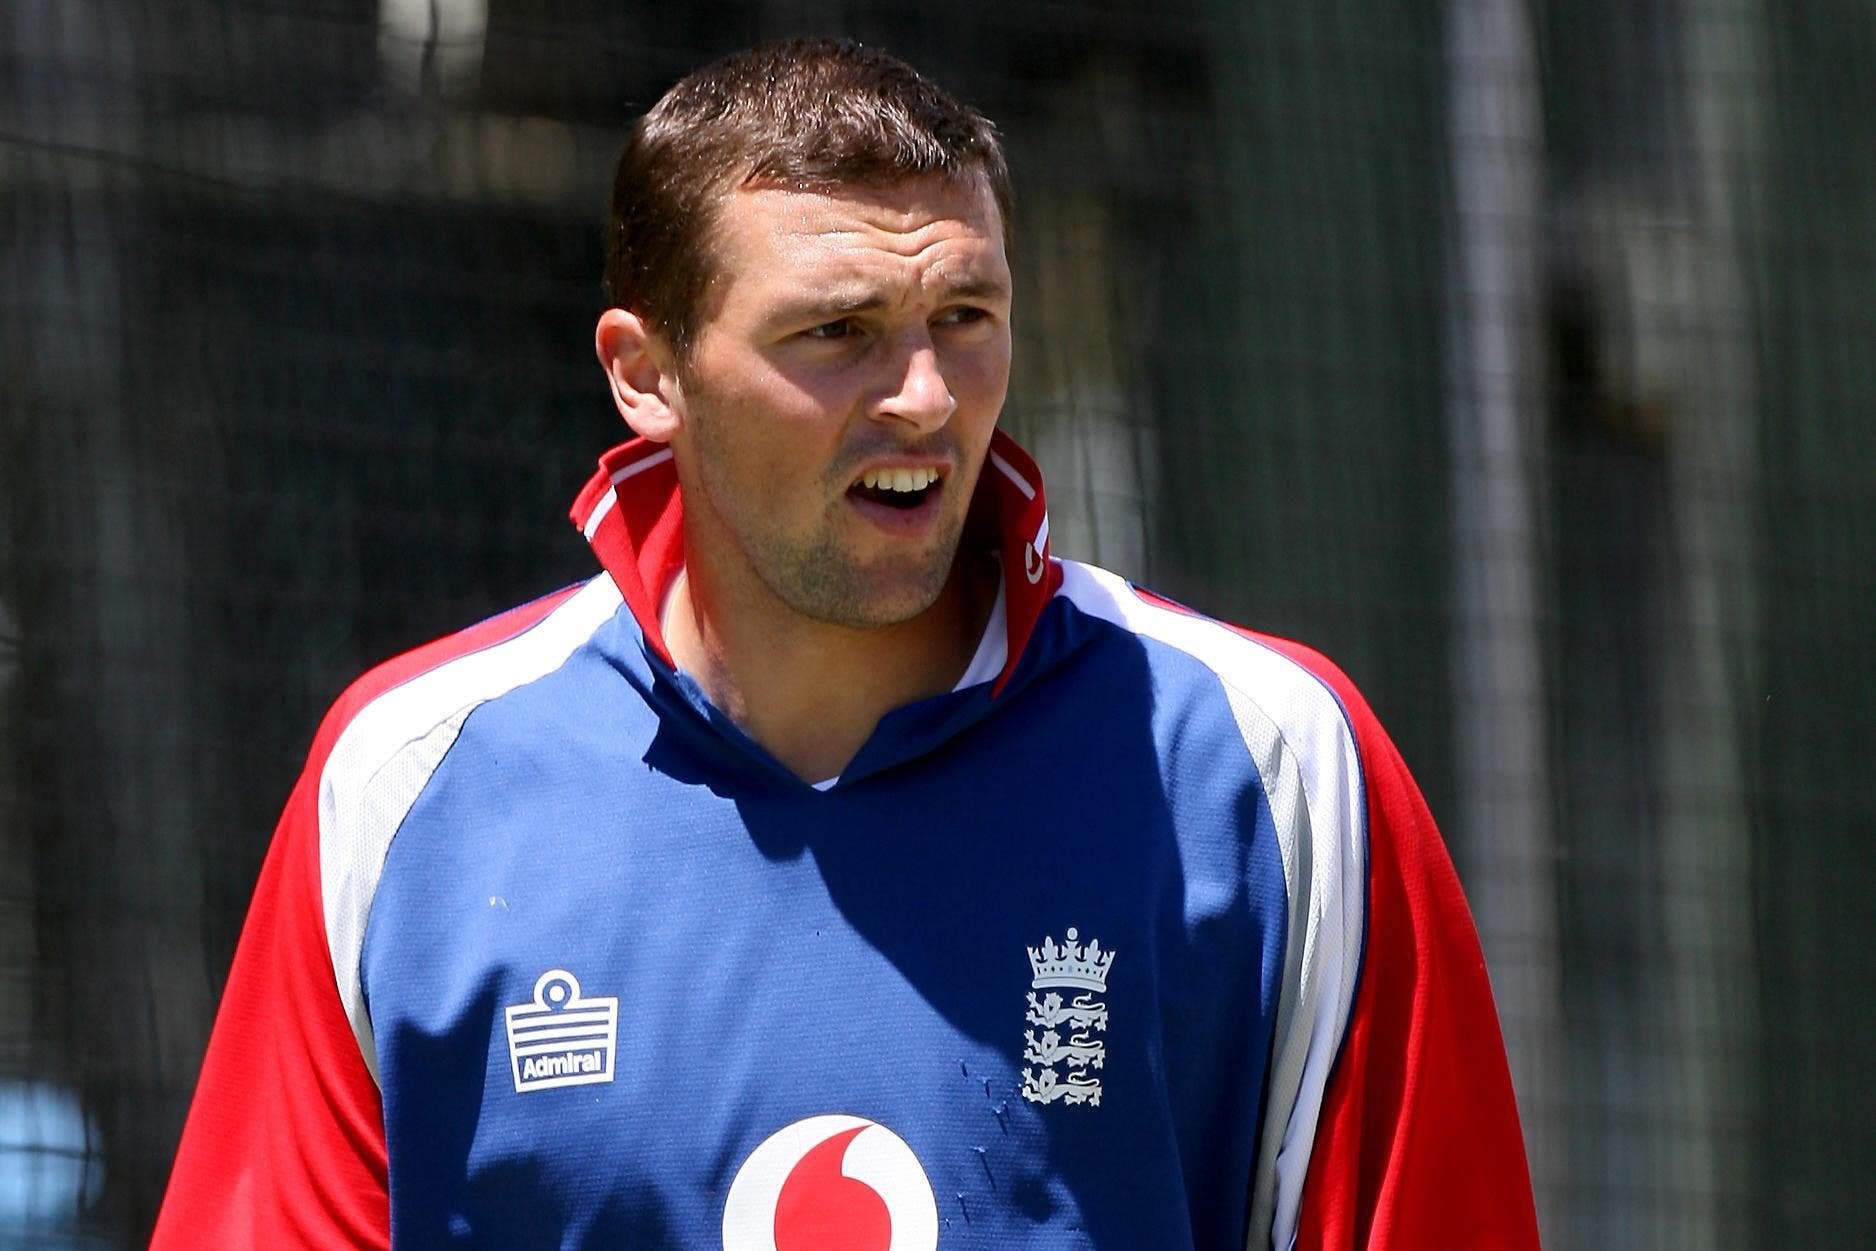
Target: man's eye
x: 831, y: 330
x: 963, y: 315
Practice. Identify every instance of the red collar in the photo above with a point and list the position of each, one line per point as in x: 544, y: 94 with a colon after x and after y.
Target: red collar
x: 632, y: 514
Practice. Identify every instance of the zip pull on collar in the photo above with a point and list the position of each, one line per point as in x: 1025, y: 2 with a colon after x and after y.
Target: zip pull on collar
x: 632, y: 513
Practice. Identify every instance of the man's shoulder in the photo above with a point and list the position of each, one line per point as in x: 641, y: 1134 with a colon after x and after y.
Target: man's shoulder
x: 1282, y: 678
x: 403, y: 698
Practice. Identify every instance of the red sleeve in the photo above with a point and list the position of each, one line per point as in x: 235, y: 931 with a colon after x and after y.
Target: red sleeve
x: 284, y: 1145
x: 1418, y: 1146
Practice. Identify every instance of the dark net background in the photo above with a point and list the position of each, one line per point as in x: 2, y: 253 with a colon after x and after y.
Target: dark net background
x: 1522, y: 356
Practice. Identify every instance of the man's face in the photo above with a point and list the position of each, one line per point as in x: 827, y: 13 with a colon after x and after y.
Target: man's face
x: 838, y: 400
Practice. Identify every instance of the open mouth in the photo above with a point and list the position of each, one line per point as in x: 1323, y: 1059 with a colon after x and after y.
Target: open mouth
x: 903, y: 489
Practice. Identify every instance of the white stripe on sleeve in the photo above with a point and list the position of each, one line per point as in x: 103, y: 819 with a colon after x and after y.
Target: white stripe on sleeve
x: 1299, y: 740
x: 386, y: 755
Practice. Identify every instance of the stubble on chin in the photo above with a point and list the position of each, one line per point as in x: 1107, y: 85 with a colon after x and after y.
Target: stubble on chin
x: 824, y: 583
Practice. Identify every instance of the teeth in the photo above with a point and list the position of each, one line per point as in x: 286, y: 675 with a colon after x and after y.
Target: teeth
x: 898, y: 479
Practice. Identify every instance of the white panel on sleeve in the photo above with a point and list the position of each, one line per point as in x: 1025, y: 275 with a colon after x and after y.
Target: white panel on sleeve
x: 384, y: 758
x: 1299, y: 740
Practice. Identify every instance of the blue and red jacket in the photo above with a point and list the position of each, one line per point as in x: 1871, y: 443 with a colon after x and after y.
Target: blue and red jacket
x: 1140, y: 937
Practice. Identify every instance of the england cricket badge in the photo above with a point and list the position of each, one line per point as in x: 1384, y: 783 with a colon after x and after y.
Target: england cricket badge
x: 561, y: 1037
x: 1060, y: 1050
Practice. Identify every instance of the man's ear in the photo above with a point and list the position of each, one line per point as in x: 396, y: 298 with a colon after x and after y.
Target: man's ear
x: 639, y: 371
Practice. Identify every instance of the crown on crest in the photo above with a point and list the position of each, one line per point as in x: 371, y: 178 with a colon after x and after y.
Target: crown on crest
x: 1070, y: 964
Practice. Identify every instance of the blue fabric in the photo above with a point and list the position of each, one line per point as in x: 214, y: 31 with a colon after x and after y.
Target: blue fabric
x: 778, y: 952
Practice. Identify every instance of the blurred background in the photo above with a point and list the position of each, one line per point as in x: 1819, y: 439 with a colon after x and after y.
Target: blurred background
x: 1520, y: 355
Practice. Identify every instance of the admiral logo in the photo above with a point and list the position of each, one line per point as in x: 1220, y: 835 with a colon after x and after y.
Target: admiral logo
x: 562, y: 1038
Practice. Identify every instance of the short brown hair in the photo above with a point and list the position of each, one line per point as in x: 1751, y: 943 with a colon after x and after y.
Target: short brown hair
x: 813, y: 113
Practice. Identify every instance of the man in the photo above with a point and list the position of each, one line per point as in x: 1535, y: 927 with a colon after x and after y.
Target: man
x: 838, y: 869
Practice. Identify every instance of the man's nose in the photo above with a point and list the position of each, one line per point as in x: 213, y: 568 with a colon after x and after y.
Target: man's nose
x: 918, y: 394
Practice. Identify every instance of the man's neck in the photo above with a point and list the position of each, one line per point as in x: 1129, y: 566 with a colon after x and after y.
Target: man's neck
x: 811, y: 693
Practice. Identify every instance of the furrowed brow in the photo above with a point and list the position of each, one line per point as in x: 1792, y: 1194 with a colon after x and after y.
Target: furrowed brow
x: 828, y: 306
x: 984, y: 288
x: 817, y: 308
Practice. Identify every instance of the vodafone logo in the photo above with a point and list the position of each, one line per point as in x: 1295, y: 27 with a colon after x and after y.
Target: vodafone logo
x: 1034, y: 565
x: 831, y: 1183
